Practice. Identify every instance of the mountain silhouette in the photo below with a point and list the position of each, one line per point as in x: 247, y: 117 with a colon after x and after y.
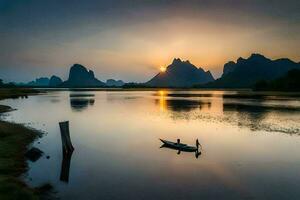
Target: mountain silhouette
x: 39, y: 82
x: 115, y: 83
x: 288, y: 82
x: 55, y: 81
x: 246, y: 72
x: 79, y: 76
x: 180, y: 74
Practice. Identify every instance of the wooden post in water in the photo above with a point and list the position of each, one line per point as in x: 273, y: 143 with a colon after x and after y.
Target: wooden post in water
x: 67, y: 146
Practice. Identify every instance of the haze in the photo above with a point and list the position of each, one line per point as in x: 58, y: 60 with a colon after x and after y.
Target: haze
x: 132, y: 39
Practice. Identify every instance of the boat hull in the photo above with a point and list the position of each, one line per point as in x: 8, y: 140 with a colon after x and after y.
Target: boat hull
x: 179, y: 147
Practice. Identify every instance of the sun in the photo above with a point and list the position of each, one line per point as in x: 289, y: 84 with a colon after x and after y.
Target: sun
x: 162, y: 69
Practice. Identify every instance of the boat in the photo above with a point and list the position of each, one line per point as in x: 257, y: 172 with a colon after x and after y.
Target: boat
x: 178, y: 146
x: 172, y: 143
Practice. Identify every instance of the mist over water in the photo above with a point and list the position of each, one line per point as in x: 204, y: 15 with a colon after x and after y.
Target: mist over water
x: 250, y: 144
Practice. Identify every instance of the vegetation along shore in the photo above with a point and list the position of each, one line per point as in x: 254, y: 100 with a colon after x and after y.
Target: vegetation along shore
x: 14, y: 142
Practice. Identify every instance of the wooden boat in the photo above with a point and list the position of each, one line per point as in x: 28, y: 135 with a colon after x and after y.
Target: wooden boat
x: 176, y: 146
x: 172, y: 143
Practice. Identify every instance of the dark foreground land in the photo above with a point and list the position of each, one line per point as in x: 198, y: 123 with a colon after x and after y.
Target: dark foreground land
x: 14, y: 140
x: 6, y: 93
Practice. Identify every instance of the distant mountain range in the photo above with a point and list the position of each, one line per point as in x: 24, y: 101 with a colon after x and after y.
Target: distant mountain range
x: 244, y: 73
x: 79, y: 76
x: 114, y: 83
x: 180, y: 74
x: 43, y: 81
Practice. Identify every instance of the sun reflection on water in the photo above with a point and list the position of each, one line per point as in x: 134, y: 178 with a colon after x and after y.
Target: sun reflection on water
x: 162, y: 100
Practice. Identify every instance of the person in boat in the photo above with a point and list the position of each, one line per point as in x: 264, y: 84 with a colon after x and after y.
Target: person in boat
x: 197, y: 153
x: 178, y: 142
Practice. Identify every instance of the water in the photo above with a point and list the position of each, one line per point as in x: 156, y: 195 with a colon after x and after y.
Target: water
x: 250, y: 144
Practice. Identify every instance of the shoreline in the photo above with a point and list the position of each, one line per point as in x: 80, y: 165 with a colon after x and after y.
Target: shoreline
x: 14, y: 142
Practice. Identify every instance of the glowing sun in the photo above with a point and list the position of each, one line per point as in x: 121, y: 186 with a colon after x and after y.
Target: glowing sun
x: 162, y: 69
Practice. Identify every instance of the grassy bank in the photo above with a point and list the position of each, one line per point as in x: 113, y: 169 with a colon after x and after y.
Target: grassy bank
x: 14, y: 140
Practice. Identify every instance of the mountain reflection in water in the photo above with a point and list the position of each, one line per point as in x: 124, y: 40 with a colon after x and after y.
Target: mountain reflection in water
x: 80, y: 102
x: 251, y: 144
x: 182, y: 105
x: 243, y: 109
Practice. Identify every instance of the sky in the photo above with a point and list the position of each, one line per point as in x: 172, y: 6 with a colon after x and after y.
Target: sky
x: 132, y: 39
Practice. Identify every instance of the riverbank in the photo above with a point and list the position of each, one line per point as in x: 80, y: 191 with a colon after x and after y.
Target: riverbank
x: 14, y: 140
x: 11, y: 93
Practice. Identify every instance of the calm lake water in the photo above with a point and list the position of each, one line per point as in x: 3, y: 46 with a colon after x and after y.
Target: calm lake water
x: 250, y: 144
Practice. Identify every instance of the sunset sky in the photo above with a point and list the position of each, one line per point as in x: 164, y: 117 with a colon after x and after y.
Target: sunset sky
x: 132, y: 39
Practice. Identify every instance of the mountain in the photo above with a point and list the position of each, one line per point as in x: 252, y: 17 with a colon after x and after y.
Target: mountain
x: 43, y: 82
x: 246, y: 72
x: 79, y: 76
x: 288, y: 82
x: 180, y: 74
x: 55, y: 81
x: 39, y: 82
x: 114, y: 83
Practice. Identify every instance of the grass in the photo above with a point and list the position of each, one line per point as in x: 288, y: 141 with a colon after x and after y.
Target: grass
x: 14, y: 140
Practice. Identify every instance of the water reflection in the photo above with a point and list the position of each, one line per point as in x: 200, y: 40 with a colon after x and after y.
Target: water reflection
x: 197, y: 153
x: 80, y: 102
x: 179, y: 104
x: 179, y: 150
x: 55, y: 100
x: 113, y: 97
x: 65, y: 166
x: 231, y: 101
x: 237, y: 162
x: 253, y: 111
x: 258, y: 107
x: 167, y: 93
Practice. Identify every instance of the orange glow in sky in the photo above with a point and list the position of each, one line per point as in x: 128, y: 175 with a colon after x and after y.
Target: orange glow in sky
x: 162, y: 69
x: 130, y: 41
